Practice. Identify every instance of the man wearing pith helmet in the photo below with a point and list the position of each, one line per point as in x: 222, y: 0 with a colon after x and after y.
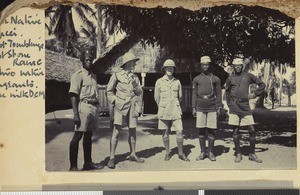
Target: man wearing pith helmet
x: 240, y: 114
x: 206, y: 103
x: 123, y: 91
x: 167, y: 94
x: 85, y: 102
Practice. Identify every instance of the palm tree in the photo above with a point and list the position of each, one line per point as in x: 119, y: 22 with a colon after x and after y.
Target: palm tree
x: 62, y: 26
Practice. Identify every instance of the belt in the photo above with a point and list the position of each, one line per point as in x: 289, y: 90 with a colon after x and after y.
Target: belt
x: 90, y: 102
x: 206, y: 97
x: 235, y: 99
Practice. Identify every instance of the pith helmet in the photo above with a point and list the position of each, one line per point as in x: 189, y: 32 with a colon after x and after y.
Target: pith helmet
x: 128, y: 57
x: 205, y: 60
x: 169, y: 63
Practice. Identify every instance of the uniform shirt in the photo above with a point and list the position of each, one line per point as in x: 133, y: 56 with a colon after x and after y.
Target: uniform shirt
x: 121, y: 92
x: 237, y: 92
x: 84, y: 84
x: 206, y: 85
x: 167, y: 94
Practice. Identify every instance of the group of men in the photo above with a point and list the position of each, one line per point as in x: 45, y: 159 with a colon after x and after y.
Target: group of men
x: 124, y: 93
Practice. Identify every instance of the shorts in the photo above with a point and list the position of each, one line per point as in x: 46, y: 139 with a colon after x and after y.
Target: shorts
x: 206, y: 119
x: 119, y: 119
x: 240, y: 120
x: 170, y: 124
x: 89, y: 117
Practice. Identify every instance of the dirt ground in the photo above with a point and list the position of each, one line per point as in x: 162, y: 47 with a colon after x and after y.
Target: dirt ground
x: 276, y: 135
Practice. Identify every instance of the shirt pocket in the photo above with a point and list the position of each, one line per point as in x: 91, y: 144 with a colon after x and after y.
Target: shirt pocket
x: 175, y: 91
x: 164, y: 91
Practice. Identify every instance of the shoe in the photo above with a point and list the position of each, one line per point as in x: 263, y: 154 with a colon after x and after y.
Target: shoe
x: 136, y: 159
x: 211, y: 156
x: 238, y: 158
x: 167, y: 157
x: 73, y: 169
x: 184, y: 158
x: 201, y: 156
x: 111, y: 163
x: 253, y: 157
x: 91, y: 166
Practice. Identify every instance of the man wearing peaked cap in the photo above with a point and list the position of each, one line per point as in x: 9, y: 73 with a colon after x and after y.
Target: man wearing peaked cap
x: 240, y: 114
x: 85, y: 102
x: 206, y: 103
x: 124, y: 93
x: 167, y: 95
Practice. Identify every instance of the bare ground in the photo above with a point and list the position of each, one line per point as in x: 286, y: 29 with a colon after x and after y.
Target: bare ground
x: 276, y: 135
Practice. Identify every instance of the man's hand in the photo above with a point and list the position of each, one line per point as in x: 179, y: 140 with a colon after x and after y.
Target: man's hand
x: 252, y: 96
x: 134, y: 83
x: 219, y: 111
x: 194, y: 112
x: 77, y: 120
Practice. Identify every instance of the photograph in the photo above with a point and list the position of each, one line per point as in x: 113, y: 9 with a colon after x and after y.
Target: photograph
x: 132, y: 89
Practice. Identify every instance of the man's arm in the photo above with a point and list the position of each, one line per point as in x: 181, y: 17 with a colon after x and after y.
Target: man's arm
x: 157, y: 92
x: 227, y: 91
x: 74, y: 92
x: 110, y: 89
x: 75, y: 102
x: 137, y: 89
x: 194, y: 93
x: 194, y: 96
x: 218, y: 91
x: 180, y: 92
x: 261, y: 85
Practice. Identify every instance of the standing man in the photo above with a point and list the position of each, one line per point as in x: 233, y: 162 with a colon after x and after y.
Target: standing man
x: 167, y: 94
x: 123, y: 91
x: 206, y: 102
x: 240, y: 114
x: 85, y: 102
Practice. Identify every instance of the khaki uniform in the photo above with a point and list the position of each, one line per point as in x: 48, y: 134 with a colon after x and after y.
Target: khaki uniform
x: 125, y: 98
x: 167, y: 95
x: 84, y: 84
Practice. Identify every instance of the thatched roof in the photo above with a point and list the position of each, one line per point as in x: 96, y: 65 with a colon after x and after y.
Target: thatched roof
x: 60, y: 67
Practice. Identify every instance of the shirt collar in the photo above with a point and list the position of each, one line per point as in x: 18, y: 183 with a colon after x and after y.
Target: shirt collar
x: 165, y: 77
x: 206, y: 74
x: 86, y: 71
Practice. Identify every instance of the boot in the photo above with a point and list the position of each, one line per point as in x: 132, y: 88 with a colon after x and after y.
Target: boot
x: 236, y: 140
x: 87, y: 147
x: 166, y: 142
x: 113, y: 146
x: 202, y: 147
x: 73, y: 155
x: 238, y: 158
x: 252, y: 155
x: 87, y: 153
x: 211, y: 143
x: 181, y: 156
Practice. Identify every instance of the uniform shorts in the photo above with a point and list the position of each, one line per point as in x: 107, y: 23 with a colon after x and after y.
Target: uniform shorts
x: 89, y: 117
x: 130, y: 120
x: 206, y: 119
x: 170, y: 124
x: 237, y: 120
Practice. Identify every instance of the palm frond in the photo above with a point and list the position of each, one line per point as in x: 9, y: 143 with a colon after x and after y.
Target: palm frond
x: 81, y: 14
x: 87, y: 9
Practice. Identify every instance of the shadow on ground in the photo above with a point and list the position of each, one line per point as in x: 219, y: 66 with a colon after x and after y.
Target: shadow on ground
x: 273, y: 127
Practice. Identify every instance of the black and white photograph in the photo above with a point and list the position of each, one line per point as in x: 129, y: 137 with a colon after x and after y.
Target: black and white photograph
x: 169, y: 89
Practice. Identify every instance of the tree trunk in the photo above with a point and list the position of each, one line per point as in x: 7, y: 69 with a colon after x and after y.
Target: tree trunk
x: 289, y: 95
x: 280, y: 85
